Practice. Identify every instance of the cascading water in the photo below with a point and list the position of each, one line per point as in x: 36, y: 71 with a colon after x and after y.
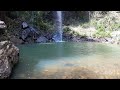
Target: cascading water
x: 58, y: 27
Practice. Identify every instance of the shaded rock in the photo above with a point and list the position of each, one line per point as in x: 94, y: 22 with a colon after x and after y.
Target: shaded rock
x: 41, y: 39
x: 29, y: 40
x: 25, y: 33
x: 108, y: 39
x: 76, y: 39
x: 48, y: 36
x: 2, y: 25
x: 9, y: 55
x: 90, y: 39
x: 67, y: 36
x: 102, y: 40
x: 29, y: 31
x: 16, y: 40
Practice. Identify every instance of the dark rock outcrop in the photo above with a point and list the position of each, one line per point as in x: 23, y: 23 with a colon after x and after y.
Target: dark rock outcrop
x: 41, y: 39
x: 29, y: 33
x: 16, y: 40
x: 9, y: 56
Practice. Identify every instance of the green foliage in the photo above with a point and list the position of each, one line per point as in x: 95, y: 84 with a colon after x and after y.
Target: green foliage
x: 44, y: 21
x: 104, y: 26
x: 101, y: 34
x: 66, y: 29
x: 41, y: 19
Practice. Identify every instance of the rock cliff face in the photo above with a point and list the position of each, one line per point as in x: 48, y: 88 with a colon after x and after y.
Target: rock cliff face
x: 9, y: 56
x: 29, y: 33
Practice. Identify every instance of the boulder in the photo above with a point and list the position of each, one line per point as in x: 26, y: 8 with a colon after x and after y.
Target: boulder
x: 41, y: 39
x: 29, y: 41
x: 76, y: 39
x: 16, y: 40
x: 9, y: 55
x: 29, y: 31
x: 2, y: 25
x: 25, y: 33
x: 24, y: 25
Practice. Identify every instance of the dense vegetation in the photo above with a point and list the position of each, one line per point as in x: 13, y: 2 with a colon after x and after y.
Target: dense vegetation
x: 74, y: 22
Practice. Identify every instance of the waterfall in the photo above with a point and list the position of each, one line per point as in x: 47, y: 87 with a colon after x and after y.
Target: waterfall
x: 58, y: 27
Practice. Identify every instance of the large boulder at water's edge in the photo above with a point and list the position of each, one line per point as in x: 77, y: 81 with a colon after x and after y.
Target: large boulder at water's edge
x: 16, y: 40
x: 41, y: 39
x: 9, y: 55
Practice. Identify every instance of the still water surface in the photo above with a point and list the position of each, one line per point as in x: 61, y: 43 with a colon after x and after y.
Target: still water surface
x: 68, y: 60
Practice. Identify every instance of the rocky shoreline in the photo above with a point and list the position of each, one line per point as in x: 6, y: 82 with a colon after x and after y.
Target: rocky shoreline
x: 28, y: 34
x: 110, y: 40
x: 43, y: 39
